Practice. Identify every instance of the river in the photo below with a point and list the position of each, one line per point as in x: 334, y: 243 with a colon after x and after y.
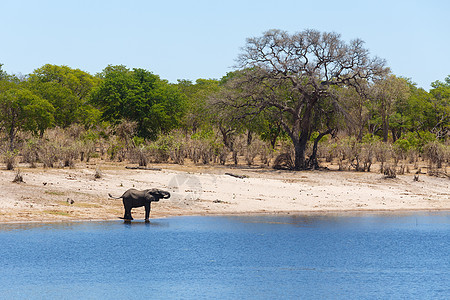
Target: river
x: 333, y: 256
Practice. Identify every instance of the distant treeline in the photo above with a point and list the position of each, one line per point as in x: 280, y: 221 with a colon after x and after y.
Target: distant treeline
x: 293, y: 102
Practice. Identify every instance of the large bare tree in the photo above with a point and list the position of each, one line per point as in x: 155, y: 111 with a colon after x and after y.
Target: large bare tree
x: 293, y: 75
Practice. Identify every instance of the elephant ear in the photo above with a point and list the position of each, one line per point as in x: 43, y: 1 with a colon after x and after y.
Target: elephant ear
x: 149, y: 195
x: 155, y: 192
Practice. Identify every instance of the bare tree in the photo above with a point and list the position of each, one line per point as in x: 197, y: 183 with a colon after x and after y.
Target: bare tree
x: 292, y: 74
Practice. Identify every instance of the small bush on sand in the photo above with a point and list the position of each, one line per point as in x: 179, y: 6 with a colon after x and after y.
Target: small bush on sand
x: 10, y: 159
x: 98, y: 173
x: 18, y: 178
x: 389, y: 172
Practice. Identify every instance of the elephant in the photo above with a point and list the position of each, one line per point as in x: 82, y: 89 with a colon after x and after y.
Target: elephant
x: 135, y: 198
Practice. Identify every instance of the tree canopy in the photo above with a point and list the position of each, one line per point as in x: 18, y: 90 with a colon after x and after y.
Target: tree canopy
x: 20, y: 109
x: 141, y: 96
x: 68, y: 90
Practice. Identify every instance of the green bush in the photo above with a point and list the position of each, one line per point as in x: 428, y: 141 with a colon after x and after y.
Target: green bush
x: 160, y: 149
x: 417, y: 140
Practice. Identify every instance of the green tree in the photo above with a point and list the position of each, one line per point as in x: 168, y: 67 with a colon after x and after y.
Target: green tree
x: 3, y: 74
x: 356, y: 106
x: 140, y: 96
x: 68, y: 90
x: 197, y: 94
x: 440, y: 106
x: 20, y: 109
x: 416, y: 110
x: 388, y: 93
x: 225, y: 119
x: 424, y: 111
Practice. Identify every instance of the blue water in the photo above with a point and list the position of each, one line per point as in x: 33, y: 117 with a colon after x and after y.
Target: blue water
x: 257, y: 257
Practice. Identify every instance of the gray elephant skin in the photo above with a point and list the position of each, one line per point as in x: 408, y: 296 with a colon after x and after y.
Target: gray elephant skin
x: 135, y: 198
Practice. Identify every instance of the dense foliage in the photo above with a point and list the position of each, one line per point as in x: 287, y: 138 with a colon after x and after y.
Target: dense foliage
x: 140, y: 96
x: 68, y: 90
x: 295, y: 101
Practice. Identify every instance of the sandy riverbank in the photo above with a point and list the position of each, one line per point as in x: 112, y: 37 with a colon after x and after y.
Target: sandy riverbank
x: 46, y: 194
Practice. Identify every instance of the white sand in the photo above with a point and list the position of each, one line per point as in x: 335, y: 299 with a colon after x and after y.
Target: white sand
x: 207, y: 190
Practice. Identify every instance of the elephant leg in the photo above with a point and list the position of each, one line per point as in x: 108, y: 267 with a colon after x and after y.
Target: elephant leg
x: 147, y: 212
x: 127, y: 214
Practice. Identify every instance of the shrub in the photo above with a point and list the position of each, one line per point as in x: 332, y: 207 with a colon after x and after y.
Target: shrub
x: 10, y: 159
x: 367, y: 152
x: 98, y: 173
x: 204, y: 147
x: 401, y: 148
x: 417, y: 140
x: 125, y: 132
x: 251, y: 151
x: 223, y: 154
x: 18, y: 178
x: 88, y: 144
x: 347, y: 151
x: 389, y: 172
x: 283, y: 162
x: 266, y: 153
x: 69, y: 153
x: 116, y: 149
x: 178, y: 148
x: 435, y: 153
x: 383, y: 151
x: 160, y: 149
x: 58, y: 146
x: 140, y: 155
x: 47, y: 153
x: 365, y: 157
x: 30, y: 152
x: 239, y: 142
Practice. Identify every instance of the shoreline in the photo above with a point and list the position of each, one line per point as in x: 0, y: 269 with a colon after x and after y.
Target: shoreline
x: 348, y: 213
x: 75, y: 195
x: 344, y: 213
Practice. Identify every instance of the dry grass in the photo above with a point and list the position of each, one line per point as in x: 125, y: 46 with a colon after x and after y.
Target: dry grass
x: 57, y: 212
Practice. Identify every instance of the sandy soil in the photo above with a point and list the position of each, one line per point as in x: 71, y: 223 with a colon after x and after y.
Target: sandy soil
x: 75, y: 194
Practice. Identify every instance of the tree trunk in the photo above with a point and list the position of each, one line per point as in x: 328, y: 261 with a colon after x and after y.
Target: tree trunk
x: 273, y: 142
x: 385, y: 129
x: 274, y: 132
x: 12, y: 133
x: 235, y: 157
x: 299, y: 155
x: 360, y: 134
x: 299, y: 148
x: 226, y: 138
x: 312, y: 162
x: 396, y: 134
x: 249, y: 138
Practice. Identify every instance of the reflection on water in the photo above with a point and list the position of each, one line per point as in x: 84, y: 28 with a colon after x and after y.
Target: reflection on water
x: 288, y: 256
x: 351, y: 219
x: 74, y: 225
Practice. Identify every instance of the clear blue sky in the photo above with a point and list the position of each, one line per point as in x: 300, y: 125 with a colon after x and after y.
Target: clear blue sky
x: 201, y: 39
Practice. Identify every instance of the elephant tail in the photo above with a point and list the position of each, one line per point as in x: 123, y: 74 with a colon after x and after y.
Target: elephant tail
x: 111, y: 196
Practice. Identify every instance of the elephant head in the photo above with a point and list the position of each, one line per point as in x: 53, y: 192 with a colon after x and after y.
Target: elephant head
x: 158, y: 194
